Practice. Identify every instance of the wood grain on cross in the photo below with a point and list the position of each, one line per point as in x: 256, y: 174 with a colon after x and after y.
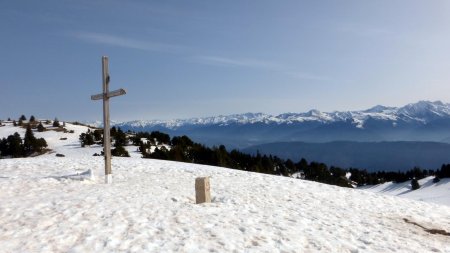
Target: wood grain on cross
x: 106, y: 129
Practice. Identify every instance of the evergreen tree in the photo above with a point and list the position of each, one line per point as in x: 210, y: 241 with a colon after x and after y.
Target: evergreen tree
x: 222, y: 157
x: 161, y: 138
x: 113, y: 131
x: 98, y: 135
x: 444, y: 171
x: 290, y: 166
x: 56, y: 123
x: 32, y: 118
x: 120, y: 151
x: 302, y: 165
x: 183, y: 141
x: 40, y: 127
x: 14, y: 123
x: 158, y: 154
x: 415, y: 184
x: 86, y: 139
x: 39, y: 145
x: 29, y: 141
x: 15, y: 148
x: 120, y: 138
x: 120, y: 141
x: 3, y: 147
x: 143, y: 149
x: 23, y: 117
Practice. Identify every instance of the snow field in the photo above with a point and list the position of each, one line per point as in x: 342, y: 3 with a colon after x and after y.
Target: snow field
x: 46, y: 206
x: 429, y: 191
x: 150, y: 207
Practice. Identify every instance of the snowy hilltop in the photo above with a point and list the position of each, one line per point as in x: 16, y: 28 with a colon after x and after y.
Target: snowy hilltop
x: 60, y: 204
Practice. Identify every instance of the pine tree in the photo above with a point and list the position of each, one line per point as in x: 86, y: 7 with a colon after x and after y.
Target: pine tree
x: 120, y: 151
x: 39, y: 145
x: 98, y: 135
x: 113, y: 131
x: 415, y: 184
x: 29, y: 141
x: 56, y: 123
x: 23, y: 117
x: 32, y: 118
x: 40, y: 127
x: 290, y: 166
x: 445, y: 171
x: 86, y: 139
x: 15, y: 145
x: 120, y: 137
x: 3, y: 147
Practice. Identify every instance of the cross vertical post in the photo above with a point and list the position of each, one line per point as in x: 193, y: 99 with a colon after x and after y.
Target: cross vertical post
x: 106, y: 128
x: 105, y: 96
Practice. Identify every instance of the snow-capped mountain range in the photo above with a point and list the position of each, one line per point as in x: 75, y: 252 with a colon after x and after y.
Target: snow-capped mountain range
x: 421, y: 112
x: 421, y: 121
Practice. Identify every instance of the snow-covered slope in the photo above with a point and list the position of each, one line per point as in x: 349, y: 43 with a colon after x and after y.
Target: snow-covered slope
x: 65, y: 143
x: 430, y: 192
x: 150, y: 207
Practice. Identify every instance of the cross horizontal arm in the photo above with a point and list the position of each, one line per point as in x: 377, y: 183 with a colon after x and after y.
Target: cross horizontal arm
x: 110, y: 94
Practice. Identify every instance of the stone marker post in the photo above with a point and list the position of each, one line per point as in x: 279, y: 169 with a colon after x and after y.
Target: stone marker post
x: 202, y: 190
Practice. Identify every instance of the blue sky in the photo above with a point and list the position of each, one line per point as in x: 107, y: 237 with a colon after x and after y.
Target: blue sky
x: 181, y: 59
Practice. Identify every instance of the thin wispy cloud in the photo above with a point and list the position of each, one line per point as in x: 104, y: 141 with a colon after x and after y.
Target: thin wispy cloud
x: 307, y: 76
x: 364, y: 30
x: 252, y: 63
x: 259, y: 64
x: 118, y: 41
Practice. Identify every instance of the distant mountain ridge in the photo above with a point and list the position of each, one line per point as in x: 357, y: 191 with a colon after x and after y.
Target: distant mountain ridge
x: 422, y: 111
x: 421, y: 121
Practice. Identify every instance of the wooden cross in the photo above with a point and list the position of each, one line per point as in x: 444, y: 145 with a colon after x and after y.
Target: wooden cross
x: 106, y: 129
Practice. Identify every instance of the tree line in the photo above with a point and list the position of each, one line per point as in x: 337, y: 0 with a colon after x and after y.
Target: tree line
x: 158, y: 145
x: 14, y: 146
x: 119, y: 140
x: 183, y: 149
